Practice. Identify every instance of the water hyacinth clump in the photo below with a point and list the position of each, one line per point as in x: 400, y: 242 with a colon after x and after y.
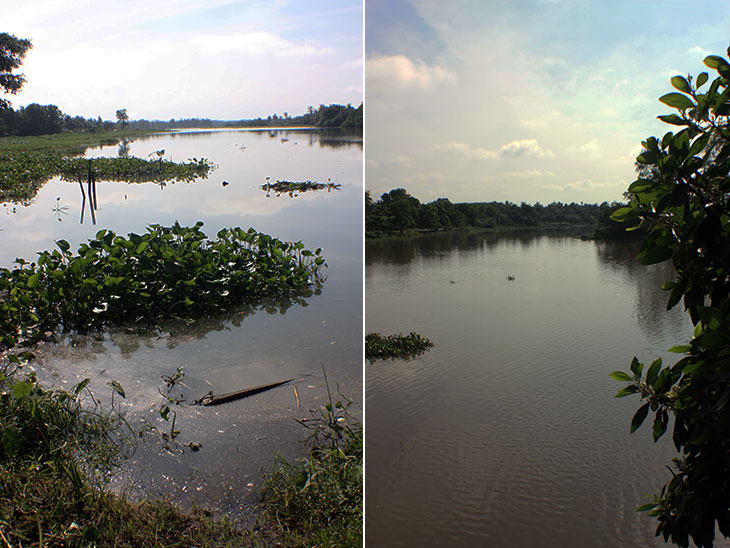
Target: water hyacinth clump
x: 294, y: 188
x: 135, y: 170
x: 378, y: 346
x: 169, y: 272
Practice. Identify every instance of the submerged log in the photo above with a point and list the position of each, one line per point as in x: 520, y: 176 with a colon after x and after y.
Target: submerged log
x: 210, y: 399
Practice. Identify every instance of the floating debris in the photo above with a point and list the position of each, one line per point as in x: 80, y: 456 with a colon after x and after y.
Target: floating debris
x: 294, y: 188
x: 210, y: 399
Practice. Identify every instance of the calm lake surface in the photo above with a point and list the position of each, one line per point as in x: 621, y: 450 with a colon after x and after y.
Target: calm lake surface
x: 507, y: 433
x: 246, y: 347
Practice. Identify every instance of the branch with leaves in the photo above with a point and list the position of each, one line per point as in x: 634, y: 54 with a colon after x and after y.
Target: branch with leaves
x: 682, y: 199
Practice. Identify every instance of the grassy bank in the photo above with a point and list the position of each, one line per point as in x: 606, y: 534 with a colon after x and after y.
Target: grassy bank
x: 56, y: 453
x: 27, y: 163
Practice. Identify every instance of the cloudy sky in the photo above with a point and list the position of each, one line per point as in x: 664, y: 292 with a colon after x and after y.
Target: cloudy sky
x: 224, y: 59
x: 524, y: 100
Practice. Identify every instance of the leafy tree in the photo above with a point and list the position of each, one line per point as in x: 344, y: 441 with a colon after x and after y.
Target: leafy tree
x: 401, y: 207
x: 122, y: 117
x: 682, y: 197
x: 12, y: 52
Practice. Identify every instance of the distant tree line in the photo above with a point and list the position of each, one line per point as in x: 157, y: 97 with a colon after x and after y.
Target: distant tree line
x: 398, y: 211
x: 36, y: 119
x: 329, y: 116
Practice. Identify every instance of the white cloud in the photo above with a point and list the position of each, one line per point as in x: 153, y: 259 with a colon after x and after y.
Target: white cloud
x: 529, y: 174
x: 390, y: 160
x: 430, y: 177
x: 352, y: 64
x: 698, y: 49
x: 588, y: 184
x: 467, y: 151
x: 591, y: 147
x: 252, y: 43
x: 514, y: 149
x: 525, y: 147
x: 400, y: 72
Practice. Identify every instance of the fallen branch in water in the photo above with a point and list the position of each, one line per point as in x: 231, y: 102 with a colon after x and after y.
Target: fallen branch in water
x: 210, y: 399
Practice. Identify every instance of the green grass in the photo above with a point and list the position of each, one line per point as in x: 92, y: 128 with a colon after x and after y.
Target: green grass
x: 318, y: 501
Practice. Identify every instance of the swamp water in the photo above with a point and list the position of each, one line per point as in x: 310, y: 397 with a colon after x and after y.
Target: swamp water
x: 245, y: 347
x: 507, y: 433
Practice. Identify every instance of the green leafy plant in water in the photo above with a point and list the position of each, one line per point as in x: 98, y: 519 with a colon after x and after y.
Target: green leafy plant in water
x: 135, y: 170
x: 682, y: 198
x: 27, y: 163
x: 169, y: 272
x: 378, y: 346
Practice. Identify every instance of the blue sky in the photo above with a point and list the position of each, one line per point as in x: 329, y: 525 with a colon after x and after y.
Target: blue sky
x: 524, y: 100
x: 188, y: 58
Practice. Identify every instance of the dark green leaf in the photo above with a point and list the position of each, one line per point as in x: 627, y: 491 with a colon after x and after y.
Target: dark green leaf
x: 676, y: 100
x: 680, y: 349
x: 641, y: 185
x: 699, y: 144
x: 680, y: 83
x: 673, y: 119
x: 630, y: 389
x: 655, y: 255
x: 33, y: 280
x: 653, y: 371
x: 713, y: 318
x: 21, y: 389
x: 660, y: 424
x: 620, y: 376
x: 712, y: 339
x: 80, y: 386
x: 624, y: 214
x: 715, y: 62
x: 639, y: 417
x: 117, y: 388
x: 636, y: 367
x: 647, y: 157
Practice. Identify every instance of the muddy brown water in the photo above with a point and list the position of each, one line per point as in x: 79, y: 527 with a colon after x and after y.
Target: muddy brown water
x: 507, y: 433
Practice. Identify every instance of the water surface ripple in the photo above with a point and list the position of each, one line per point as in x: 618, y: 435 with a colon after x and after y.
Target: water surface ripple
x: 506, y: 433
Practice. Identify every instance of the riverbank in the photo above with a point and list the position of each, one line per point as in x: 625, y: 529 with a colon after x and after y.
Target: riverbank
x: 419, y: 232
x: 58, y: 452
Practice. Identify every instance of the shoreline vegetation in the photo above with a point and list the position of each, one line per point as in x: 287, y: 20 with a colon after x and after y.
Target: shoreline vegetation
x: 57, y: 452
x: 398, y: 214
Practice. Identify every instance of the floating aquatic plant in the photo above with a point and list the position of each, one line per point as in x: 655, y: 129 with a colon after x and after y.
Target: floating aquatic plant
x: 169, y: 272
x: 294, y: 188
x: 378, y: 346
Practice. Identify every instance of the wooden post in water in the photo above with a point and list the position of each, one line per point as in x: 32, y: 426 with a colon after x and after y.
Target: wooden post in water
x: 83, y: 200
x: 92, y: 195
